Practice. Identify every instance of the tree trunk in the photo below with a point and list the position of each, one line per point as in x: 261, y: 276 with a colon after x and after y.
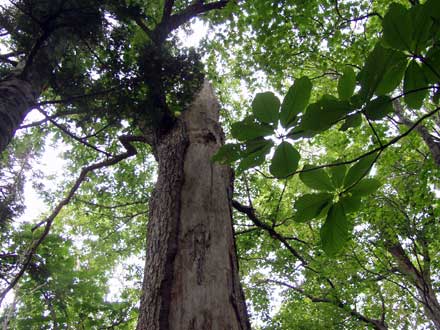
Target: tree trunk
x: 422, y: 283
x: 191, y: 273
x: 20, y: 90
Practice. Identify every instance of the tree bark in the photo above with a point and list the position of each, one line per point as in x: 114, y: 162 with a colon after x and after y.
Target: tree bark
x: 20, y: 90
x: 421, y: 281
x: 191, y: 273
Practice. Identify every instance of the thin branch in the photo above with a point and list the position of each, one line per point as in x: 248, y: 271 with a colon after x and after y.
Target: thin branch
x: 250, y: 212
x: 73, y: 136
x: 131, y: 151
x: 377, y: 324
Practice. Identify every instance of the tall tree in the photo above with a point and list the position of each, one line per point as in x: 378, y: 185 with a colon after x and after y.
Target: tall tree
x: 328, y: 233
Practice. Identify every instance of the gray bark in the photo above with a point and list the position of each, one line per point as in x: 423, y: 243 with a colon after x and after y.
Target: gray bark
x: 191, y: 272
x: 420, y: 280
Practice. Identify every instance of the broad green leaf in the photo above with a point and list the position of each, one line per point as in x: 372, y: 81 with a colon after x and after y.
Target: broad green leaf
x: 295, y: 101
x: 393, y: 74
x: 414, y: 79
x: 350, y: 203
x: 337, y: 174
x: 310, y: 206
x: 265, y: 107
x: 227, y: 154
x: 334, y: 232
x: 397, y: 27
x: 365, y: 187
x: 359, y: 170
x: 378, y: 108
x: 316, y: 179
x: 299, y: 132
x: 324, y: 113
x: 353, y: 120
x: 254, y: 159
x: 433, y: 8
x: 248, y: 129
x: 422, y: 23
x: 285, y: 160
x: 380, y: 66
x: 431, y: 65
x: 255, y: 145
x: 347, y: 83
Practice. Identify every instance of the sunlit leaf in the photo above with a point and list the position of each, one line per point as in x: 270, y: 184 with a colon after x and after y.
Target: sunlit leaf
x: 248, y: 129
x: 397, y: 27
x: 365, y: 187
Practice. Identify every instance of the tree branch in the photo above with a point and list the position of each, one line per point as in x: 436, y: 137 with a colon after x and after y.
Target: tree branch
x: 131, y: 151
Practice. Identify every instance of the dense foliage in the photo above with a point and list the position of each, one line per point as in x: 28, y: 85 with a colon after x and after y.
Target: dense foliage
x: 332, y: 115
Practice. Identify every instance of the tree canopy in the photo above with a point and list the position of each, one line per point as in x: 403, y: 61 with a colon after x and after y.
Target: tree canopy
x: 331, y: 111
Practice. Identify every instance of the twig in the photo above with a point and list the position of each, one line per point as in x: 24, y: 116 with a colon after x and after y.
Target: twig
x: 131, y: 151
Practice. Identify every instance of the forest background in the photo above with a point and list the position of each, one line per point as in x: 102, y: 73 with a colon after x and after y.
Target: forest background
x: 336, y: 156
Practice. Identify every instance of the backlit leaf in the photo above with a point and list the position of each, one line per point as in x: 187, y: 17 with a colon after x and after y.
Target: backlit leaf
x: 310, y: 206
x: 365, y: 187
x: 414, y: 80
x: 397, y: 27
x: 316, y: 179
x: 359, y: 170
x: 334, y: 232
x: 378, y: 108
x: 248, y: 129
x: 265, y: 107
x: 347, y: 83
x: 295, y: 101
x: 285, y: 160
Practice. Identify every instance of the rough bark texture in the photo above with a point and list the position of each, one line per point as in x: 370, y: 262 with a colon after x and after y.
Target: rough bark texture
x: 191, y: 274
x: 421, y: 281
x: 16, y: 98
x: 21, y: 89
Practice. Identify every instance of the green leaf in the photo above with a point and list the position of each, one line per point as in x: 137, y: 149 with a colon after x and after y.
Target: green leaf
x: 337, y: 174
x: 347, y: 83
x: 433, y: 8
x: 310, y: 206
x: 397, y: 27
x: 381, y: 65
x: 365, y: 187
x: 227, y: 154
x: 248, y: 129
x: 414, y: 79
x: 359, y: 170
x: 295, y: 101
x: 353, y: 120
x: 285, y: 160
x: 299, y: 132
x: 265, y: 107
x: 324, y: 113
x: 393, y: 73
x: 316, y: 179
x: 422, y: 24
x: 254, y: 158
x: 351, y: 203
x: 378, y: 108
x: 431, y: 65
x: 334, y: 232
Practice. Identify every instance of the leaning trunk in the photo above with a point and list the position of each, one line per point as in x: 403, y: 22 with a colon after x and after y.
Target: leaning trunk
x: 191, y: 273
x: 20, y: 90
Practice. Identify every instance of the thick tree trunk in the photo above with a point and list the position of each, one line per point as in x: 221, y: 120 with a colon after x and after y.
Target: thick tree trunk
x: 191, y: 274
x: 16, y: 99
x: 21, y: 89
